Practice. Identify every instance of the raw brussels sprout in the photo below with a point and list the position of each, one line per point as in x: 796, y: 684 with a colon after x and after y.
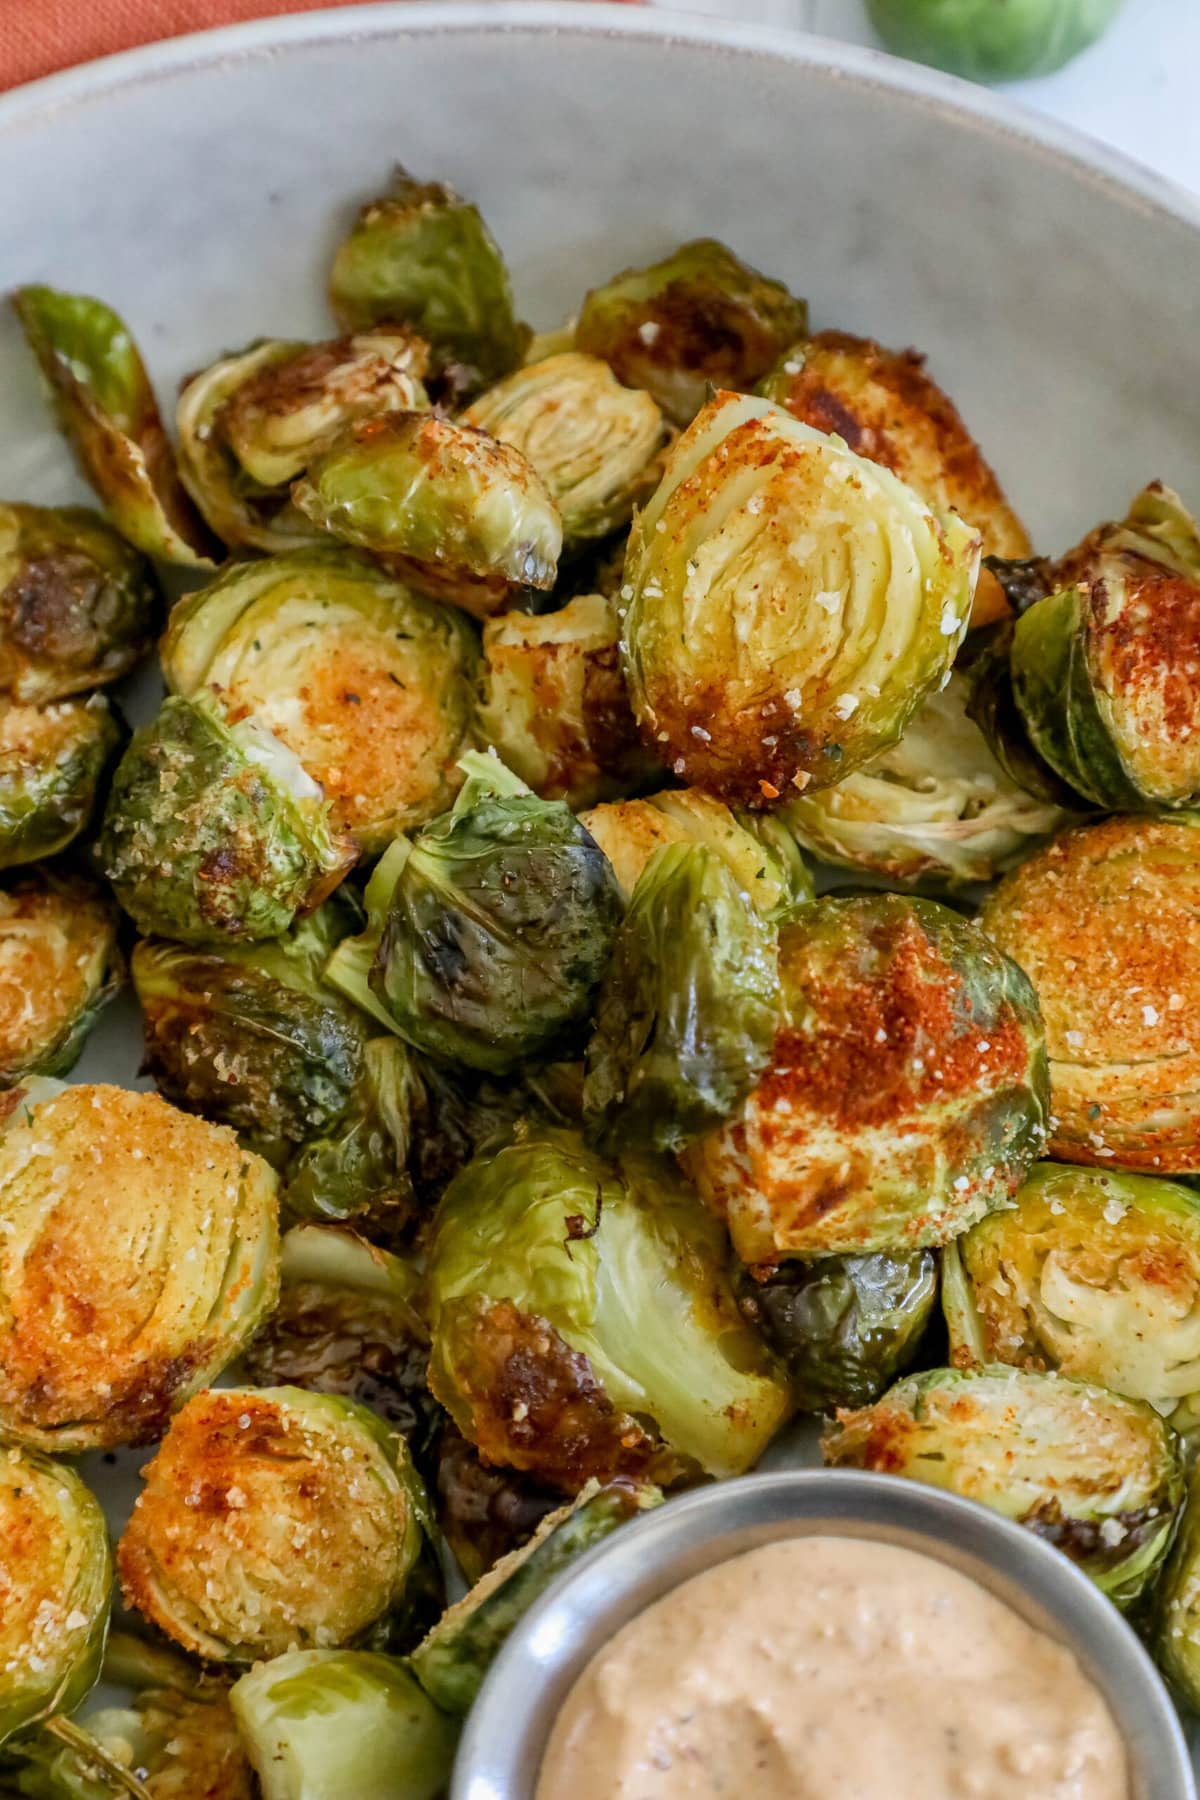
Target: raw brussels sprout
x: 1175, y: 1625
x: 421, y: 254
x: 366, y: 1169
x: 846, y: 1326
x: 699, y: 317
x: 452, y: 1661
x: 270, y: 1519
x: 55, y: 1582
x: 214, y: 832
x: 555, y: 707
x: 1103, y: 922
x: 906, y: 1096
x: 52, y: 762
x: 59, y: 968
x: 370, y: 686
x: 989, y: 42
x: 464, y: 517
x: 688, y: 1009
x: 106, y: 407
x: 1094, y: 1474
x: 583, y: 1323
x: 78, y: 606
x: 595, y: 444
x: 138, y: 1255
x: 787, y: 605
x: 485, y: 1512
x: 165, y: 1745
x: 331, y: 1724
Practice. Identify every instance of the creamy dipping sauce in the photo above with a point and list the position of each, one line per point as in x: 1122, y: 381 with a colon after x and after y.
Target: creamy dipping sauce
x: 830, y: 1668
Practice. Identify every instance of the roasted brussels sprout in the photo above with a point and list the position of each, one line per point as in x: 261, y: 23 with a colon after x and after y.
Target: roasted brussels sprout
x: 422, y: 254
x: 1103, y: 922
x: 787, y: 605
x: 846, y: 1326
x: 78, y: 606
x: 906, y: 1096
x: 1096, y: 1475
x: 370, y: 686
x: 583, y: 1323
x: 986, y: 42
x: 271, y: 1519
x: 107, y: 409
x: 59, y: 968
x: 165, y: 1745
x: 367, y: 1168
x: 987, y: 667
x: 555, y: 706
x: 331, y: 1724
x: 485, y: 1512
x: 701, y: 316
x: 688, y: 1009
x: 464, y: 517
x: 138, y: 1255
x: 1175, y: 1623
x: 52, y: 762
x: 213, y: 831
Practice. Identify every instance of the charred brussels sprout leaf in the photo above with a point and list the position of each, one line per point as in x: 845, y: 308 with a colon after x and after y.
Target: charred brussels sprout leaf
x: 1175, y: 1624
x: 364, y: 1170
x: 787, y: 605
x: 699, y: 317
x: 986, y: 42
x: 59, y: 968
x: 1096, y: 1475
x: 52, y: 763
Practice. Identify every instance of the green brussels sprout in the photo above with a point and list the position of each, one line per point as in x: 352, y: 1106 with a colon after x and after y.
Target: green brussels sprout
x: 106, y: 407
x: 787, y: 605
x: 452, y: 1661
x: 464, y: 517
x: 485, y: 1512
x: 937, y: 808
x: 164, y: 1745
x: 53, y: 760
x: 139, y: 1253
x: 1174, y: 1633
x: 688, y: 1010
x: 331, y: 1724
x: 583, y: 1322
x: 369, y: 685
x: 1102, y: 920
x: 422, y: 255
x: 595, y: 444
x: 59, y: 968
x: 367, y: 1168
x: 1098, y: 1476
x: 78, y: 606
x: 989, y: 42
x: 699, y: 317
x: 846, y: 1326
x: 230, y: 1546
x: 214, y: 832
x: 906, y: 1095
x: 986, y: 665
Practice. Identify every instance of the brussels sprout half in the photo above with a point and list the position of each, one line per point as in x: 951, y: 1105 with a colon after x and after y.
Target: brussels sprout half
x: 1174, y: 1634
x: 986, y: 42
x: 369, y: 685
x: 59, y: 968
x: 906, y: 1096
x: 53, y: 760
x: 701, y: 317
x: 138, y: 1255
x: 107, y: 409
x: 787, y: 605
x: 1098, y: 1476
x: 273, y: 1518
x: 365, y: 1170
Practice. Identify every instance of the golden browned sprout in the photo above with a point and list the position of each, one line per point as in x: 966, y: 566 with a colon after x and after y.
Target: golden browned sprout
x: 59, y: 968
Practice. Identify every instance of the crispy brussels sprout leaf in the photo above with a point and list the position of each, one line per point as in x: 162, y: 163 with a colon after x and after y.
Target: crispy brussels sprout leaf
x: 985, y: 42
x: 59, y: 968
x: 1175, y: 1622
x: 53, y: 761
x: 485, y: 1512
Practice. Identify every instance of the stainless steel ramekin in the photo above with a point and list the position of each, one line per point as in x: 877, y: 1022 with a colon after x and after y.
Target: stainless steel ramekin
x: 507, y: 1730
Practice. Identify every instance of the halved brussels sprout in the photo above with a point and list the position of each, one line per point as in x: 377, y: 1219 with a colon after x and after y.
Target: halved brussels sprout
x: 688, y: 1009
x: 1103, y: 922
x: 452, y: 1661
x: 165, y: 1745
x: 55, y: 1583
x: 138, y: 1255
x: 214, y: 832
x: 464, y: 517
x: 331, y: 1724
x: 106, y: 407
x: 78, y: 606
x: 59, y: 968
x: 986, y: 42
x: 1175, y: 1624
x: 906, y: 1096
x: 699, y: 317
x: 846, y: 1326
x: 485, y: 1512
x: 368, y: 1166
x: 583, y: 1321
x: 369, y: 685
x: 787, y: 605
x: 1098, y: 1476
x: 422, y: 254
x: 52, y: 762
x: 595, y: 444
x: 936, y: 808
x: 273, y: 1519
